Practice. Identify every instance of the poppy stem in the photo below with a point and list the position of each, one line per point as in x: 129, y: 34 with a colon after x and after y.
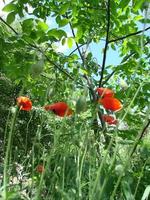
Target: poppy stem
x: 141, y: 135
x: 8, y: 151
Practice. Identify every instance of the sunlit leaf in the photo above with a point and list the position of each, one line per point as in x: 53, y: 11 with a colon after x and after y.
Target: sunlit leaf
x: 138, y: 4
x: 58, y: 34
x: 61, y: 22
x: 124, y: 3
x: 70, y: 42
x: 9, y: 7
x: 42, y: 25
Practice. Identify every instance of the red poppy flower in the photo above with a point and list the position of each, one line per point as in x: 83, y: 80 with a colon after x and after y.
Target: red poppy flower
x: 111, y: 103
x: 105, y: 92
x: 61, y: 109
x: 24, y: 103
x: 40, y: 169
x: 109, y: 119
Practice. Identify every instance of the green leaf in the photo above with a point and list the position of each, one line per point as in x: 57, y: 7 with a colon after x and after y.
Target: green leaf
x: 124, y: 3
x: 113, y: 47
x: 64, y: 8
x: 28, y: 25
x: 127, y: 190
x: 79, y: 33
x: 138, y: 17
x: 70, y: 42
x: 9, y: 7
x: 138, y: 4
x: 61, y: 22
x: 146, y: 193
x: 42, y: 25
x: 63, y: 41
x: 11, y: 17
x: 58, y: 34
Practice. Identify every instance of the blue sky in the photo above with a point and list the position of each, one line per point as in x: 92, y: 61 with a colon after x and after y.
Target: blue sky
x: 112, y: 56
x: 96, y: 48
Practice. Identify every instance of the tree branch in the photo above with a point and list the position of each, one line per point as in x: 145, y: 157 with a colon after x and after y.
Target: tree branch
x: 123, y: 60
x: 108, y: 77
x: 94, y: 96
x: 106, y: 43
x: 126, y: 36
x: 83, y: 61
x: 8, y: 25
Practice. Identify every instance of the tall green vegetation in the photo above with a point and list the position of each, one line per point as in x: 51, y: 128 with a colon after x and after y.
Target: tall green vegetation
x: 44, y: 156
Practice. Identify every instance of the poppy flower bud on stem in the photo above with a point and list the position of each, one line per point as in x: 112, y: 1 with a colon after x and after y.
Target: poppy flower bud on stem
x: 81, y: 104
x: 40, y: 168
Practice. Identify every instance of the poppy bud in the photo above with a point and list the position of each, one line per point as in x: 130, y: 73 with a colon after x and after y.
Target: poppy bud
x: 37, y: 68
x: 119, y: 169
x: 81, y: 104
x: 40, y: 169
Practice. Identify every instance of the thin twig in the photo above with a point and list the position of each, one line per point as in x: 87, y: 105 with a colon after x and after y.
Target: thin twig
x: 126, y: 36
x: 106, y: 43
x: 123, y: 60
x: 141, y: 135
x: 56, y: 65
x: 83, y: 61
x: 108, y: 77
x: 76, y: 49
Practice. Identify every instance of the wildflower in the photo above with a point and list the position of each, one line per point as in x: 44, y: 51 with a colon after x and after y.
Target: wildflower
x: 60, y: 108
x: 109, y: 119
x: 40, y: 168
x: 24, y: 103
x: 105, y: 92
x: 111, y: 103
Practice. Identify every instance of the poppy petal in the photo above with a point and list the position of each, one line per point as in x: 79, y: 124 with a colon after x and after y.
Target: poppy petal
x: 111, y: 103
x: 105, y: 92
x: 24, y: 103
x: 109, y: 119
x: 60, y: 108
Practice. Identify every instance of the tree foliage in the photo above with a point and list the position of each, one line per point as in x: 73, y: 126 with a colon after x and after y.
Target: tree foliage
x: 84, y: 157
